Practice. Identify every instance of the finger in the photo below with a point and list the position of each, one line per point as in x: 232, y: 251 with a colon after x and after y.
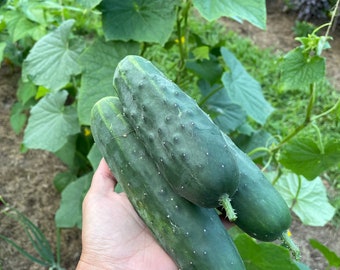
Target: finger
x: 103, y: 180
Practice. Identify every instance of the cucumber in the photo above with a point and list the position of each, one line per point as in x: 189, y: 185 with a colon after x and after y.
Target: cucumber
x: 187, y: 146
x: 193, y: 236
x: 261, y: 211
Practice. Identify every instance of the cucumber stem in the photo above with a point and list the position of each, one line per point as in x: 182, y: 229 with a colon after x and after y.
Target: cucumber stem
x: 288, y: 242
x: 225, y: 202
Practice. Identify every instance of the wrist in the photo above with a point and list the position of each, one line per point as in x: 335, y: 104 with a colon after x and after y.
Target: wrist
x: 86, y: 263
x: 86, y: 266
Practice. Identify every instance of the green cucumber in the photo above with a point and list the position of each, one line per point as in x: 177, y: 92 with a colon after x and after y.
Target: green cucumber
x: 261, y: 211
x: 193, y: 236
x: 187, y: 146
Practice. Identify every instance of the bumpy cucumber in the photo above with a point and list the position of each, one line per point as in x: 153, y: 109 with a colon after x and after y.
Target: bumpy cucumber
x: 193, y: 236
x: 261, y: 211
x: 186, y: 145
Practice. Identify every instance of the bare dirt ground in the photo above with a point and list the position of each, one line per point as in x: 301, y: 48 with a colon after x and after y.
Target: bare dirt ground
x: 26, y: 183
x: 26, y: 179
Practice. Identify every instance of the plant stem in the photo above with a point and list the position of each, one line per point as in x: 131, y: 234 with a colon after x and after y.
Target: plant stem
x: 62, y: 10
x: 277, y: 177
x: 58, y: 246
x: 335, y: 11
x: 311, y: 103
x: 259, y: 149
x: 182, y: 36
x: 320, y: 143
x: 305, y: 122
x: 206, y: 98
x: 225, y: 202
x: 336, y: 105
x: 297, y: 192
x: 289, y: 243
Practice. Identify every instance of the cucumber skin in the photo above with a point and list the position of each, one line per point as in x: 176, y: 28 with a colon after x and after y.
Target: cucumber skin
x: 261, y: 211
x: 193, y: 236
x: 188, y: 147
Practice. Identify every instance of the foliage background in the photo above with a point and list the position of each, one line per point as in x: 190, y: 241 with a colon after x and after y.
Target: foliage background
x: 32, y: 173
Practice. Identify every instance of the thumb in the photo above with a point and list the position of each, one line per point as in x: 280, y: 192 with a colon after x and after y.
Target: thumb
x: 103, y: 180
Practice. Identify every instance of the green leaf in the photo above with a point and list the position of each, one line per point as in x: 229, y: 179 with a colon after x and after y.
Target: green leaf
x: 209, y: 70
x: 17, y: 118
x: 43, y: 254
x: 138, y: 20
x: 20, y: 27
x: 299, y: 69
x: 263, y: 256
x: 51, y: 123
x: 201, y: 53
x: 26, y: 91
x: 94, y: 156
x: 89, y: 4
x: 41, y: 92
x: 304, y: 156
x: 99, y: 62
x: 332, y: 258
x: 68, y: 151
x: 225, y: 113
x: 253, y: 11
x: 54, y: 58
x: 34, y: 10
x: 308, y: 199
x: 69, y: 213
x: 243, y: 89
x: 63, y: 179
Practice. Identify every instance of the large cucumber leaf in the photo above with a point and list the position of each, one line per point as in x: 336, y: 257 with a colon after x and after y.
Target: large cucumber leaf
x: 51, y: 123
x: 207, y: 69
x: 20, y: 26
x: 69, y: 213
x: 67, y: 153
x: 139, y: 20
x: 54, y: 58
x: 299, y: 69
x: 308, y: 199
x: 225, y: 113
x: 263, y: 256
x: 94, y: 156
x: 99, y: 62
x: 304, y: 156
x: 243, y: 89
x: 63, y: 179
x: 254, y: 11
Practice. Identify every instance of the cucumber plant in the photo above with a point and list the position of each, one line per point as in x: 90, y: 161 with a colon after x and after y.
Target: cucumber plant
x: 77, y: 40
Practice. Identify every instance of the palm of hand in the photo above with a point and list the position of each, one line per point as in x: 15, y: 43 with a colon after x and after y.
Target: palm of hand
x: 114, y: 237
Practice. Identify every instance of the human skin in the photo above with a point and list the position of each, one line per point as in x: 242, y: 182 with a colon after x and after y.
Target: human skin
x: 113, y: 235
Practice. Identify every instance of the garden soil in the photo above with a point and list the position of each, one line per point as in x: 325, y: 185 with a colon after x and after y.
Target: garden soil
x: 26, y: 178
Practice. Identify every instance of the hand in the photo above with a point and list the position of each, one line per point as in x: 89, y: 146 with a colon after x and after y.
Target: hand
x: 113, y: 235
